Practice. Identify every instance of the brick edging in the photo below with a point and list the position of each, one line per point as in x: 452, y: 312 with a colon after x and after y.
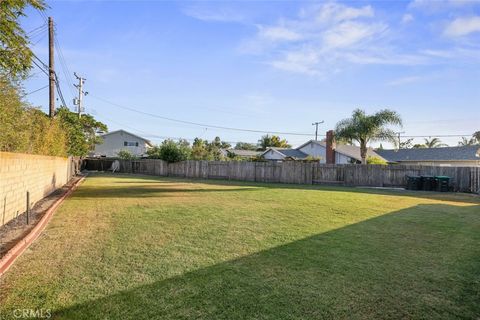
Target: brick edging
x: 9, y: 258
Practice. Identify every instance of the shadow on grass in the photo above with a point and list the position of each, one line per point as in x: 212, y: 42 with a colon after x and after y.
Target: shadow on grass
x: 142, y: 191
x: 421, y: 262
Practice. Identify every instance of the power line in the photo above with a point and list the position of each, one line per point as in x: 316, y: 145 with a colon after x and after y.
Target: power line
x: 36, y: 90
x: 200, y: 124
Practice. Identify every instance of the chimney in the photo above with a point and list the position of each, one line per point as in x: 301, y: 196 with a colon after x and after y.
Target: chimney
x: 330, y: 147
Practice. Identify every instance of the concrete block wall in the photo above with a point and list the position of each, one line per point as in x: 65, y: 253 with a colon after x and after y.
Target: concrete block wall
x: 39, y: 175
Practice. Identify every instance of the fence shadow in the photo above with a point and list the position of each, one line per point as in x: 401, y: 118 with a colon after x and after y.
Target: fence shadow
x: 420, y: 262
x: 144, y: 190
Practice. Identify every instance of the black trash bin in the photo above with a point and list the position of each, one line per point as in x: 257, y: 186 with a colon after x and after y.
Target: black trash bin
x: 414, y: 183
x: 442, y: 183
x: 428, y: 183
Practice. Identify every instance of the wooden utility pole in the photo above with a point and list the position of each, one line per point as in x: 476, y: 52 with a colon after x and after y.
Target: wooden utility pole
x: 51, y: 69
x: 316, y: 128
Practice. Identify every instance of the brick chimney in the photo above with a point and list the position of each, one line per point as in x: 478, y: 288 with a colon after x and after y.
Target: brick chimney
x: 330, y: 147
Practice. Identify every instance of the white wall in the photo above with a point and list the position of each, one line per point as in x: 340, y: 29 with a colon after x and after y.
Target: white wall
x: 113, y: 143
x: 315, y: 150
x: 272, y: 155
x: 444, y: 163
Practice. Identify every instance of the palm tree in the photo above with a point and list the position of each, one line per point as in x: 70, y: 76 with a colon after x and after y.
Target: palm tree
x: 366, y: 128
x: 268, y: 141
x: 434, y: 143
x: 467, y: 142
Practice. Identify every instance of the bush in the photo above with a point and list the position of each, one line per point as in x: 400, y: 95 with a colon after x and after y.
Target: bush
x: 170, y: 151
x: 126, y: 155
x: 375, y: 160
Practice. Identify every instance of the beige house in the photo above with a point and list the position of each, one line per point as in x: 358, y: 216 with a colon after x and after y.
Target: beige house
x: 116, y: 141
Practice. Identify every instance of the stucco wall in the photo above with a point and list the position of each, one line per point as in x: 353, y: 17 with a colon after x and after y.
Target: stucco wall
x: 272, y: 155
x: 113, y: 143
x: 39, y: 175
x: 315, y: 150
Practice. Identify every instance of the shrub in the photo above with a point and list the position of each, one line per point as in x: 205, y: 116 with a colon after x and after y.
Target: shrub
x: 375, y: 160
x: 126, y: 155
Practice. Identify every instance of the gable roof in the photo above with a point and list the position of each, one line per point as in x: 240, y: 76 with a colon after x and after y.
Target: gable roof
x: 351, y: 151
x: 288, y: 153
x: 121, y: 130
x: 243, y: 153
x: 464, y: 153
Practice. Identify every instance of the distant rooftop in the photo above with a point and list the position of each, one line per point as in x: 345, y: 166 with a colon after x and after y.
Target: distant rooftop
x: 465, y: 153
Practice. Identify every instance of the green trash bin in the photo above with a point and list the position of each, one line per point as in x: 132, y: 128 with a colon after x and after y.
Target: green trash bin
x: 414, y: 183
x: 442, y: 183
x: 428, y: 183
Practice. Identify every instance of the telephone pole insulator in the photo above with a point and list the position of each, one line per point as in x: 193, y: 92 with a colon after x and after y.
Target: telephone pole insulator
x: 316, y: 128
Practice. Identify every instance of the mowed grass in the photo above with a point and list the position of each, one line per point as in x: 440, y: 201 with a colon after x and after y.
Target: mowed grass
x: 137, y: 247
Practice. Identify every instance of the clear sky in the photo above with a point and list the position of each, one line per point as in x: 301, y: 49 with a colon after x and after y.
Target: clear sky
x: 271, y: 65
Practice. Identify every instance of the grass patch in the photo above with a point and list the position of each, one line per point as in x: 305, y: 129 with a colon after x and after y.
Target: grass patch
x: 136, y: 247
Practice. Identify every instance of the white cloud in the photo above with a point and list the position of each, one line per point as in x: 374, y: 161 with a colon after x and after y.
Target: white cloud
x: 405, y: 80
x: 463, y: 26
x: 278, y: 33
x: 349, y: 33
x: 214, y: 15
x: 302, y: 61
x: 334, y: 12
x: 440, y: 5
x: 407, y: 18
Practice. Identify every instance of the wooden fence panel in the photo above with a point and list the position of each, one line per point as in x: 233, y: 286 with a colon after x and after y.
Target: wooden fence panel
x: 463, y: 179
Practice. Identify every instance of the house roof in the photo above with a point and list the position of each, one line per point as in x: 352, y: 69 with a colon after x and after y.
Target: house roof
x: 465, y: 153
x: 347, y: 150
x: 243, y: 153
x: 121, y: 130
x: 288, y: 153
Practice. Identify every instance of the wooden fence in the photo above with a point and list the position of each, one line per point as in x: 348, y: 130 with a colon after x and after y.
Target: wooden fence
x: 463, y: 179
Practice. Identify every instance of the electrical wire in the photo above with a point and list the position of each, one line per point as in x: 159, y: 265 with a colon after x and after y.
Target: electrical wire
x: 37, y: 90
x: 200, y: 124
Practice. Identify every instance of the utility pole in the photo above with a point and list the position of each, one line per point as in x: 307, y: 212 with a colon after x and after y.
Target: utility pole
x: 316, y: 128
x: 51, y: 69
x: 399, y: 138
x: 79, y: 101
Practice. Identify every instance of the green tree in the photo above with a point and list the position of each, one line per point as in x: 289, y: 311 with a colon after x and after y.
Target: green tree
x: 15, y: 54
x: 81, y: 132
x: 434, y: 143
x: 171, y: 151
x: 274, y: 141
x: 126, y: 155
x: 200, y: 150
x: 246, y: 146
x: 365, y: 128
x: 468, y: 142
x: 27, y: 129
x: 476, y: 135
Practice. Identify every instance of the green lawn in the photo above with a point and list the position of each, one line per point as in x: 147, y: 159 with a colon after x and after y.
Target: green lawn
x: 137, y: 247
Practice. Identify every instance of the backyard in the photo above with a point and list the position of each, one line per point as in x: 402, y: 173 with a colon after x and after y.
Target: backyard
x: 140, y: 247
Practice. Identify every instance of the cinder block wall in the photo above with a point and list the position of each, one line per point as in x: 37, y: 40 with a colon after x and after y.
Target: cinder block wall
x: 39, y: 175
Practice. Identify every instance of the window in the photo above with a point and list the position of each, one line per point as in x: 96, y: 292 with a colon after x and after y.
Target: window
x: 130, y: 144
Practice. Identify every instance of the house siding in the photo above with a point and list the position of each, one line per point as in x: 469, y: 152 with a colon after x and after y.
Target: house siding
x: 272, y: 155
x: 315, y: 150
x: 114, y: 143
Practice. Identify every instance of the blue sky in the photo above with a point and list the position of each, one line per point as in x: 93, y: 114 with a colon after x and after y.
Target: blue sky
x: 271, y: 65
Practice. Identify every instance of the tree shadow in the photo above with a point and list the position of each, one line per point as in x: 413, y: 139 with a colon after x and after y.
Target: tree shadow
x: 151, y: 179
x: 420, y: 262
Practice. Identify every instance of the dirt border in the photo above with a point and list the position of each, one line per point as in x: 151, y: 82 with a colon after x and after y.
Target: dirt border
x: 16, y: 251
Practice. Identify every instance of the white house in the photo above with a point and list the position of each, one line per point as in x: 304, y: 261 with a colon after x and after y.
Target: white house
x: 119, y: 140
x: 339, y: 153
